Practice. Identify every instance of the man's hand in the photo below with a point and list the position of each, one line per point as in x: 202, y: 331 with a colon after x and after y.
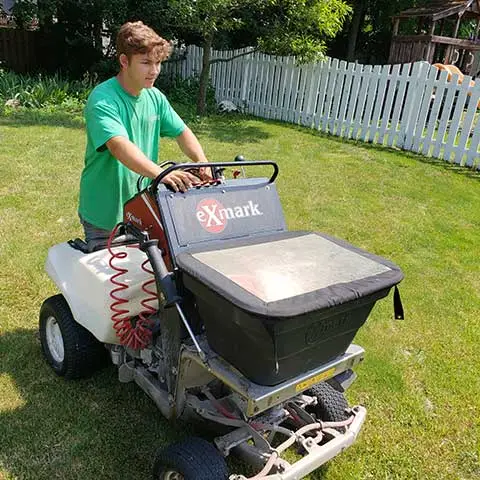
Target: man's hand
x: 180, y: 181
x: 205, y: 173
x: 134, y: 159
x: 190, y: 146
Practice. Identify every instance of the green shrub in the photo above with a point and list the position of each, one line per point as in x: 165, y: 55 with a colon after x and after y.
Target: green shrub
x: 52, y: 93
x: 185, y: 92
x: 38, y: 91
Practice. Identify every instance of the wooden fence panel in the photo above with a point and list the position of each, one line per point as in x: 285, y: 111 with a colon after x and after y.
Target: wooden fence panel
x: 467, y: 128
x: 398, y: 106
x: 279, y: 88
x: 322, y: 91
x: 454, y: 123
x: 370, y: 103
x: 20, y: 50
x: 414, y: 97
x: 378, y: 102
x: 392, y: 81
x: 352, y: 105
x: 473, y: 154
x: 253, y: 84
x: 440, y: 90
x: 365, y: 77
x: 444, y: 119
x: 346, y: 100
x: 292, y: 99
x: 330, y: 87
x: 411, y: 106
x: 337, y: 98
x: 424, y: 107
x: 297, y: 106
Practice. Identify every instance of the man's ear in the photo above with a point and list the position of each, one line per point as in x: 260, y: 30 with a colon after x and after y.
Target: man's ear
x: 123, y: 59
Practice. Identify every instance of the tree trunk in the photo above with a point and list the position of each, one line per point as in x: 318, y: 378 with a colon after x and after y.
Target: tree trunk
x: 97, y: 28
x: 204, y: 76
x: 357, y: 22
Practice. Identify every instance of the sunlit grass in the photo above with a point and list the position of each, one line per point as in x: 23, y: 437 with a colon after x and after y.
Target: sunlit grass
x: 420, y: 378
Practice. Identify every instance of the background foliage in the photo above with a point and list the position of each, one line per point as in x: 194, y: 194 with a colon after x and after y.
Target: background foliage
x: 55, y: 93
x: 348, y: 29
x: 366, y: 35
x: 38, y: 91
x: 81, y: 29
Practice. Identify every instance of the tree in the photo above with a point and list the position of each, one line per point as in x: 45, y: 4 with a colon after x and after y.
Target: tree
x: 75, y: 29
x: 358, y: 17
x: 281, y: 27
x: 366, y: 36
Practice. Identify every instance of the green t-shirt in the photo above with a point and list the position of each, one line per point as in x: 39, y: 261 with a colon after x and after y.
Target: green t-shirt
x: 106, y: 184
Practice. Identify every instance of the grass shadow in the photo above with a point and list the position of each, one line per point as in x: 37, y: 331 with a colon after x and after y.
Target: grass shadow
x: 465, y: 171
x: 52, y: 427
x: 230, y: 128
x: 29, y: 117
x: 227, y: 128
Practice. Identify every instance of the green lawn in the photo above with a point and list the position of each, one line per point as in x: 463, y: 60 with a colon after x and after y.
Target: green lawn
x: 419, y: 382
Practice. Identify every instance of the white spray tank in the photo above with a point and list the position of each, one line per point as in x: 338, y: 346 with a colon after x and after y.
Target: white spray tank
x: 85, y: 282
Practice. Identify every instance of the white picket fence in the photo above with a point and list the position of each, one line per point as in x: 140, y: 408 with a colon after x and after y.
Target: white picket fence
x: 411, y: 106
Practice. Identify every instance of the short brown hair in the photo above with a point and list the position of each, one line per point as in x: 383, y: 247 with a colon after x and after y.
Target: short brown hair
x: 137, y: 38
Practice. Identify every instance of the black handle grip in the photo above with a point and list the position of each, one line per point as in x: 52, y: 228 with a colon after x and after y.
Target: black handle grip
x: 141, y: 178
x: 184, y: 166
x: 163, y: 277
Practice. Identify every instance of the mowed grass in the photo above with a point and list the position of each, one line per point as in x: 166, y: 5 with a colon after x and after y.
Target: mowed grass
x: 419, y: 382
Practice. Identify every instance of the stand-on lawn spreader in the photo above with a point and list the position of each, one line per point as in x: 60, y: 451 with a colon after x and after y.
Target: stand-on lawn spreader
x: 251, y: 329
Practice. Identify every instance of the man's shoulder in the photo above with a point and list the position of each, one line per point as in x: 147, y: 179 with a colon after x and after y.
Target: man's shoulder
x: 156, y: 95
x: 104, y: 91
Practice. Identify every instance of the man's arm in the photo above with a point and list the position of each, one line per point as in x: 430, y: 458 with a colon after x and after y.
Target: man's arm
x: 134, y: 159
x: 191, y: 147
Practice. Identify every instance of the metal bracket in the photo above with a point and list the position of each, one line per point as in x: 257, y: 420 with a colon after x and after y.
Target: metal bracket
x: 126, y: 372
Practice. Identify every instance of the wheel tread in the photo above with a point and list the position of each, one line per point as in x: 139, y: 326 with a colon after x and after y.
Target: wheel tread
x: 332, y: 404
x: 83, y: 352
x: 197, y: 458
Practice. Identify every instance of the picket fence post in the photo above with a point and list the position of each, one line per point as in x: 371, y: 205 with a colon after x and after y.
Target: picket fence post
x: 413, y: 99
x: 410, y: 106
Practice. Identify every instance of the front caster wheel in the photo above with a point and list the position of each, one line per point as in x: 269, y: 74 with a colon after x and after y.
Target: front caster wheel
x: 190, y: 459
x: 331, y: 406
x: 70, y: 349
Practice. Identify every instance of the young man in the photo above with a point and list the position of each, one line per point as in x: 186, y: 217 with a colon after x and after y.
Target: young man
x: 125, y: 118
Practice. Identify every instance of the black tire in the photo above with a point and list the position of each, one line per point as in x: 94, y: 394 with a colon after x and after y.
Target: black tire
x: 193, y: 459
x: 82, y: 352
x: 331, y: 406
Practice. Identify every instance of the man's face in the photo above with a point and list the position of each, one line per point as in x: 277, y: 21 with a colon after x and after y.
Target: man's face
x: 142, y: 70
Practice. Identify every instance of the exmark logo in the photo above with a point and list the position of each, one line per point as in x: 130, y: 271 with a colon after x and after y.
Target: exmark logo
x: 213, y: 216
x: 132, y: 218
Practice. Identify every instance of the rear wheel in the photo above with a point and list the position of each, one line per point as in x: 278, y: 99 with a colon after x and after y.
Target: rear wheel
x: 70, y: 349
x: 191, y: 459
x: 332, y: 404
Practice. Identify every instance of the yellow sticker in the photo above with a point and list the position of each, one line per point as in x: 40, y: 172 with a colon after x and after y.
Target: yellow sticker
x: 316, y: 379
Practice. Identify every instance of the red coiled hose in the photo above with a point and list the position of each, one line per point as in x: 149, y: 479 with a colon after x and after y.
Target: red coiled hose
x: 135, y: 334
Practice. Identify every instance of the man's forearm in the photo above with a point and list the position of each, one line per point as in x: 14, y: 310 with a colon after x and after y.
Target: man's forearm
x: 190, y: 146
x: 132, y: 157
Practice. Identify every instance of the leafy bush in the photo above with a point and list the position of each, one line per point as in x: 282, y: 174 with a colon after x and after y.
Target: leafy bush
x: 55, y: 93
x: 185, y: 91
x: 17, y: 91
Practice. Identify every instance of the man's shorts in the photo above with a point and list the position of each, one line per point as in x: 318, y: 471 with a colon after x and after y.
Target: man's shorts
x: 93, y: 233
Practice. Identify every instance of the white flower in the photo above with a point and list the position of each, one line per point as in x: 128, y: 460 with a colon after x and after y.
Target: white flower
x: 13, y: 102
